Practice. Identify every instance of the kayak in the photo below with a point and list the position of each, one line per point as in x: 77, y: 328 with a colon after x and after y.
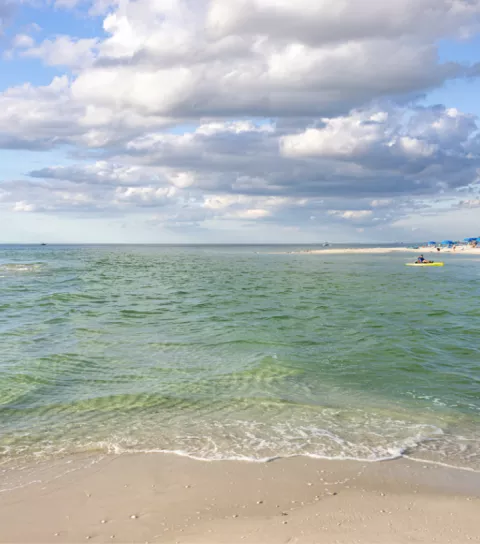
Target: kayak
x: 424, y: 264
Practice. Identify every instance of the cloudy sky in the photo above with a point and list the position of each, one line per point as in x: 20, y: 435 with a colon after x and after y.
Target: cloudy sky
x: 239, y: 120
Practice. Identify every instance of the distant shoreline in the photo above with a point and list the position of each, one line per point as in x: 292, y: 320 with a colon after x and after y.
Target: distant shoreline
x: 383, y: 250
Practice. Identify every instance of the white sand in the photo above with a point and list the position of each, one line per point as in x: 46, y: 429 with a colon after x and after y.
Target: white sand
x: 425, y: 250
x: 169, y: 499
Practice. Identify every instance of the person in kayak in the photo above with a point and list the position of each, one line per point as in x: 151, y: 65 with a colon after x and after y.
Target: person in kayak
x: 421, y: 260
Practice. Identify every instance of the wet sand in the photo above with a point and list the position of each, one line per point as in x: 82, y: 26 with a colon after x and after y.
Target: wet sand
x: 168, y: 499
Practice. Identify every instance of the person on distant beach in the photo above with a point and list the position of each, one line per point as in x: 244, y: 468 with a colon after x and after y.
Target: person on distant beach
x: 438, y: 249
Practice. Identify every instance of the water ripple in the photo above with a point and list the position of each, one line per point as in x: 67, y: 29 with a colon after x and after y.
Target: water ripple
x: 234, y: 354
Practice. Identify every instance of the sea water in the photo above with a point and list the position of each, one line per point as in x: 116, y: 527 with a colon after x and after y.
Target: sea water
x: 237, y: 353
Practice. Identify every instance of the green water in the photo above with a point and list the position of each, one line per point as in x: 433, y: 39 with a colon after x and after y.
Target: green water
x: 238, y: 353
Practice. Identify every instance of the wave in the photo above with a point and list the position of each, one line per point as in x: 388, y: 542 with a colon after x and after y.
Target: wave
x: 441, y: 464
x: 380, y: 454
x: 21, y: 267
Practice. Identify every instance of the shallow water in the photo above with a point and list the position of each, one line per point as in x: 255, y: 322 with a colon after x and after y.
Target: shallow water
x: 237, y: 352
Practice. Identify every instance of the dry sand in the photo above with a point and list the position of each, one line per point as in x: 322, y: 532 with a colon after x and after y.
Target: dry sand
x: 168, y: 499
x: 382, y: 250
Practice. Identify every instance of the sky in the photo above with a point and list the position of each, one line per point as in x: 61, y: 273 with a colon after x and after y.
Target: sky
x: 239, y: 121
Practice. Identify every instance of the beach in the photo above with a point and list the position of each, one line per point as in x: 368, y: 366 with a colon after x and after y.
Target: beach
x: 240, y: 272
x: 171, y: 499
x: 202, y: 394
x: 460, y: 250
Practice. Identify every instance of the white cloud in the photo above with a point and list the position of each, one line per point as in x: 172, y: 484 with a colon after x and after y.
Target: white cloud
x: 417, y: 148
x: 472, y: 203
x: 239, y: 170
x: 265, y: 111
x: 182, y: 180
x: 422, y: 141
x: 324, y: 22
x: 23, y: 206
x: 158, y: 59
x: 254, y: 213
x: 381, y: 203
x: 63, y: 51
x: 48, y: 116
x: 351, y: 214
x: 37, y: 117
x: 233, y: 127
x: 341, y: 137
x: 22, y: 41
x: 159, y: 63
x: 249, y: 206
x: 156, y: 92
x: 144, y: 195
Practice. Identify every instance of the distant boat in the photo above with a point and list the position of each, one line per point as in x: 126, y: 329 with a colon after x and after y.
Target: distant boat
x: 325, y: 244
x: 43, y: 244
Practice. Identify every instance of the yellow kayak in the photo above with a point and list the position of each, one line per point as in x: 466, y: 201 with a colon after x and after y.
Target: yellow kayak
x: 424, y: 264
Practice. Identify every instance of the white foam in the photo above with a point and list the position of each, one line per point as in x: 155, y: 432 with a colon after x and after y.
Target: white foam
x: 394, y: 454
x: 440, y: 464
x: 117, y: 449
x: 20, y: 267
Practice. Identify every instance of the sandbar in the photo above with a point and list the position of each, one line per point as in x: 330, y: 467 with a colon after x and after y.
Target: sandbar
x: 383, y: 250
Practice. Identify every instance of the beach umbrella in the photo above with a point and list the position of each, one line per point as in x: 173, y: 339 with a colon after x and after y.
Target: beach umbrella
x: 432, y: 243
x: 447, y: 242
x: 469, y: 239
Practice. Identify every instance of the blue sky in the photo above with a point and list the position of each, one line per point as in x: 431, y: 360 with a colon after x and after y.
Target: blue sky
x: 43, y: 22
x: 181, y: 125
x: 460, y: 93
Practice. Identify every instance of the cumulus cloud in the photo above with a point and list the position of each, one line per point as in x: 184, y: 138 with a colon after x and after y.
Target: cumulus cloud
x: 267, y: 79
x: 472, y: 203
x: 184, y: 60
x: 397, y: 133
x: 382, y: 203
x: 324, y: 22
x: 266, y: 111
x: 37, y: 117
x: 351, y: 214
x: 23, y: 206
x: 432, y: 148
x: 246, y: 171
x: 60, y: 51
x: 145, y: 196
x: 22, y: 41
x: 365, y: 153
x: 99, y: 173
x: 46, y: 117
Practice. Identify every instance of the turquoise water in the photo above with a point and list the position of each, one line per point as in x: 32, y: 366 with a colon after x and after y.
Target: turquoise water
x: 238, y: 353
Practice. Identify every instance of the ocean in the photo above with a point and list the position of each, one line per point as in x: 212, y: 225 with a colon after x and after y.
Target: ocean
x: 237, y: 352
